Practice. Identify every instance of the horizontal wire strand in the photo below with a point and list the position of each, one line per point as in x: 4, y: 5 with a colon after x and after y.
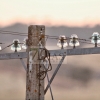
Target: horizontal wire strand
x: 46, y: 36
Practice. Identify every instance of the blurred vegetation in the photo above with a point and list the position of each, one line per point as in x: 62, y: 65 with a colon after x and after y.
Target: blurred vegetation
x: 81, y: 74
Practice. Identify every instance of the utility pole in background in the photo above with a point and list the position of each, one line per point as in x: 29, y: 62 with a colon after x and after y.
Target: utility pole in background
x: 34, y: 86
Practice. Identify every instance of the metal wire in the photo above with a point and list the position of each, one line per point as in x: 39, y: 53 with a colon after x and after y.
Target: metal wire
x: 26, y: 34
x: 8, y: 46
x: 46, y: 36
x: 12, y: 32
x: 5, y: 47
x: 54, y: 74
x: 44, y: 73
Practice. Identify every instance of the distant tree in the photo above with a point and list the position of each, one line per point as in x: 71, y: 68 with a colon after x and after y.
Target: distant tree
x: 81, y: 74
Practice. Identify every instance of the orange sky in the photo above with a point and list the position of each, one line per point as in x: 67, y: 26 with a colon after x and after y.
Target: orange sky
x: 53, y: 12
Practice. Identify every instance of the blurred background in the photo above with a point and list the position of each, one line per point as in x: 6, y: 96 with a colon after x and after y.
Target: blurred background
x: 79, y: 76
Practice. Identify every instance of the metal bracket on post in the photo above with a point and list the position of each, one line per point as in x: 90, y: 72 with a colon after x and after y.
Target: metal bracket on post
x: 54, y: 74
x: 50, y: 87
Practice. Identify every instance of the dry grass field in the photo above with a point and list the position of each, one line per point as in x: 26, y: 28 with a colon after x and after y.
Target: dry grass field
x: 79, y: 79
x: 12, y: 88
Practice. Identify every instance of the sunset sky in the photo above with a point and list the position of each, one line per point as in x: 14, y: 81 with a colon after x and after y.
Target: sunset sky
x: 50, y: 12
